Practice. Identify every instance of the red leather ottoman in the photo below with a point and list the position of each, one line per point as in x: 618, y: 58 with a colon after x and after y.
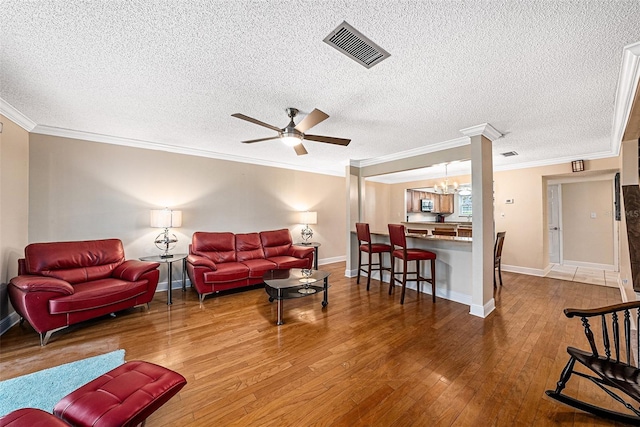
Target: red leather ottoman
x: 124, y: 396
x: 31, y: 417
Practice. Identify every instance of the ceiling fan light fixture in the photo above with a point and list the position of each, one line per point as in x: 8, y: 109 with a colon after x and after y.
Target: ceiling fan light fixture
x: 293, y: 134
x: 291, y: 137
x: 291, y: 141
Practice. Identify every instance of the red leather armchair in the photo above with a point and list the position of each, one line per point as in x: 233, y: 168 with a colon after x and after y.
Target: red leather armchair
x: 220, y: 261
x: 63, y: 283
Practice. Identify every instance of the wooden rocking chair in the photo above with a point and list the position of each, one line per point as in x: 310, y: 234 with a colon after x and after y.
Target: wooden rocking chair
x: 615, y: 374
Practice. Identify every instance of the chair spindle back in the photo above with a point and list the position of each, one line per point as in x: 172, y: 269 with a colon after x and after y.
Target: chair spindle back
x: 625, y: 350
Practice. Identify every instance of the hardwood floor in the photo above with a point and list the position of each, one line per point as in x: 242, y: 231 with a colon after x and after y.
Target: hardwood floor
x: 364, y: 360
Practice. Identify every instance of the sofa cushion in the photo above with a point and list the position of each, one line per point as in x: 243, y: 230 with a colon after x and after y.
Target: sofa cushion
x: 248, y: 246
x: 275, y: 242
x: 218, y: 247
x: 98, y: 293
x: 74, y: 262
x: 257, y: 267
x: 227, y: 272
x: 285, y: 261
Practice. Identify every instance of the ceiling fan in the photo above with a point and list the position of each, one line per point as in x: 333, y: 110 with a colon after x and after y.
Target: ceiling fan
x: 293, y: 134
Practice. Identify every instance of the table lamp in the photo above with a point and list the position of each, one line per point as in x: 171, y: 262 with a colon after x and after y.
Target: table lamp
x: 166, y: 218
x: 307, y: 218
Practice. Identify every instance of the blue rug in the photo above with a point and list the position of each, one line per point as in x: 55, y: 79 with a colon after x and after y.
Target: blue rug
x: 43, y: 389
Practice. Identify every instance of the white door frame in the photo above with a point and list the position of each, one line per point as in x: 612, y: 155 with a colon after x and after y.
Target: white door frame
x: 616, y: 225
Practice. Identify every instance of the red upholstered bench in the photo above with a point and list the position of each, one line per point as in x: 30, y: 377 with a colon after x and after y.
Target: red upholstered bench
x: 31, y: 417
x: 124, y: 396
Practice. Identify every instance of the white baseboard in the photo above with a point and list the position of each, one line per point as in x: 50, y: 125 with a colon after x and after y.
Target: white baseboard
x: 351, y: 273
x: 8, y: 322
x: 426, y: 289
x: 175, y: 284
x: 593, y: 265
x: 323, y: 261
x: 524, y: 270
x: 483, y: 311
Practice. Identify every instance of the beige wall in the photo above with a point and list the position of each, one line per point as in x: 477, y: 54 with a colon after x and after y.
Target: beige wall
x: 587, y: 239
x: 14, y: 206
x: 87, y: 190
x: 525, y: 221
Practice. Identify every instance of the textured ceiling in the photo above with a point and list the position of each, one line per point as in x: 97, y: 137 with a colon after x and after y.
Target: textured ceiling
x: 543, y: 73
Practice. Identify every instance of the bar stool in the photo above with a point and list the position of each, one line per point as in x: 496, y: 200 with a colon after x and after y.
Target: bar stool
x: 497, y: 256
x: 365, y: 245
x: 398, y: 238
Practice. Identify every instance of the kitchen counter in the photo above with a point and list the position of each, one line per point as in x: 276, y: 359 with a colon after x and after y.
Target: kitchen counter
x: 428, y: 237
x: 412, y: 223
x: 453, y: 263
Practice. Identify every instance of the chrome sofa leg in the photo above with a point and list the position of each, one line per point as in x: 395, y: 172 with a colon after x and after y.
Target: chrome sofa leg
x: 44, y: 339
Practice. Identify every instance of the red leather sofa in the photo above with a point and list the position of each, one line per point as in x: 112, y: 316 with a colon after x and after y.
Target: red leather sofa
x: 220, y: 261
x: 63, y: 283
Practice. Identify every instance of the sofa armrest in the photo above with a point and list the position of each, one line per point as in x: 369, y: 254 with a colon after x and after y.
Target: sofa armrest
x: 200, y: 261
x: 31, y: 283
x: 300, y: 251
x: 132, y: 269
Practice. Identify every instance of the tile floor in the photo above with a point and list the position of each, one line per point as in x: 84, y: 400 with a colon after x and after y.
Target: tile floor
x: 584, y: 275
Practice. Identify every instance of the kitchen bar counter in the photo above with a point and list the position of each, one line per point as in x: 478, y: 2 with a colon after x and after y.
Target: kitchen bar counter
x: 429, y: 237
x: 453, y: 263
x: 436, y: 223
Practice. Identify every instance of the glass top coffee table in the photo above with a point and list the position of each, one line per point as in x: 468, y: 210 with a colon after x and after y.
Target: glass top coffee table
x: 295, y: 283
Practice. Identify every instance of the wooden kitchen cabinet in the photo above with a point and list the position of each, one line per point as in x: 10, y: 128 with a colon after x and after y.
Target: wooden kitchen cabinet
x: 442, y: 203
x: 413, y: 201
x: 445, y: 205
x: 417, y: 204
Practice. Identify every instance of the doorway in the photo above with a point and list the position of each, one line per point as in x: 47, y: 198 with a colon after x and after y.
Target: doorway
x: 581, y: 230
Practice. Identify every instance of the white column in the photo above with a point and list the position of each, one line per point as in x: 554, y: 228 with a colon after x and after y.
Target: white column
x: 354, y: 212
x: 482, y: 302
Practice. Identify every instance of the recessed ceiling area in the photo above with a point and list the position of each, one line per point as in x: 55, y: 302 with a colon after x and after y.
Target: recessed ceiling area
x: 168, y: 75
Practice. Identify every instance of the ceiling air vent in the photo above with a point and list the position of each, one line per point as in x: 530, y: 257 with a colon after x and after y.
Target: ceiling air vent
x: 356, y: 46
x: 509, y: 154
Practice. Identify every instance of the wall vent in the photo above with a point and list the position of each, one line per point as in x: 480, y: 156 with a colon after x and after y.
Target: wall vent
x: 509, y: 154
x: 356, y: 45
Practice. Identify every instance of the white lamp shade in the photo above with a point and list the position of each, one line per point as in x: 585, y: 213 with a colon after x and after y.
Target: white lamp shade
x: 165, y: 218
x: 308, y: 217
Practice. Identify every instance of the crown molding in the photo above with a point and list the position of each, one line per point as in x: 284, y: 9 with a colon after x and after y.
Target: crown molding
x: 398, y: 178
x: 555, y: 161
x: 484, y: 129
x: 148, y: 145
x: 625, y: 93
x: 10, y: 112
x: 431, y: 148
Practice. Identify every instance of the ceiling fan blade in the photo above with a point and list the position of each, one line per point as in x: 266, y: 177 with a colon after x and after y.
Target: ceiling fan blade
x: 257, y: 122
x: 300, y: 150
x: 260, y: 139
x: 315, y: 117
x: 329, y: 139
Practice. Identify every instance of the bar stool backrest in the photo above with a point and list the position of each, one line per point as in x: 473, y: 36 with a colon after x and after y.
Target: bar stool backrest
x: 397, y: 236
x: 362, y: 229
x: 497, y: 247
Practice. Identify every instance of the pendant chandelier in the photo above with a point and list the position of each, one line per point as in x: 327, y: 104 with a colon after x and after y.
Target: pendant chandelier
x: 445, y: 187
